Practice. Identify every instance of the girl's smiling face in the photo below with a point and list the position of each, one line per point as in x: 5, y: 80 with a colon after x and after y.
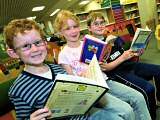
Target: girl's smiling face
x: 71, y: 31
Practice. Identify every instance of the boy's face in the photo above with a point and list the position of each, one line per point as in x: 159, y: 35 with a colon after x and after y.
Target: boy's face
x: 30, y: 47
x: 97, y: 27
x: 71, y: 31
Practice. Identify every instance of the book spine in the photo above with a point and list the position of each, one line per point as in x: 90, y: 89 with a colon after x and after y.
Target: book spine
x: 148, y: 39
x: 82, y: 58
x: 105, y: 53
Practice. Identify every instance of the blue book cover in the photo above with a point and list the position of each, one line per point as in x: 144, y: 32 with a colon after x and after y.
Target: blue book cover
x: 91, y: 46
x: 141, y: 39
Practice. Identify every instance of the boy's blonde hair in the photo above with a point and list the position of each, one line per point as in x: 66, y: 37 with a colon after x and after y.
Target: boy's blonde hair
x: 93, y: 16
x: 19, y: 26
x: 62, y: 17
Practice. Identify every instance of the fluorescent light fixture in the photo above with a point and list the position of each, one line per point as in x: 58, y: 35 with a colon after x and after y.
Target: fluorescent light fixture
x: 54, y: 12
x: 31, y: 18
x: 84, y: 2
x: 38, y: 8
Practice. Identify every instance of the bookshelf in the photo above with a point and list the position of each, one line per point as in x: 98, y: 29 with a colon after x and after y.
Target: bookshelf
x: 131, y: 11
x: 158, y: 11
x: 83, y: 20
x: 117, y: 11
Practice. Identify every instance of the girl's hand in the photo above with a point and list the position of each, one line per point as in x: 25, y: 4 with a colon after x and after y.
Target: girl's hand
x: 103, y: 66
x: 40, y: 114
x: 82, y: 74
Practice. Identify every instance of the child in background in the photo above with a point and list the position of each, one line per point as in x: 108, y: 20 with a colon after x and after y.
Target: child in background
x: 136, y: 74
x: 29, y: 92
x: 67, y: 24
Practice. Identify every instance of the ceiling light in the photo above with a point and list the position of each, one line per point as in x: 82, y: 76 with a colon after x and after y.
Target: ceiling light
x: 84, y: 2
x: 31, y: 18
x: 38, y: 8
x: 54, y: 12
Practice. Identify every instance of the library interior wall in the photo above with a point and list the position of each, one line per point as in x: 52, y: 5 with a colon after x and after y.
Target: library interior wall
x: 92, y: 6
x: 147, y: 9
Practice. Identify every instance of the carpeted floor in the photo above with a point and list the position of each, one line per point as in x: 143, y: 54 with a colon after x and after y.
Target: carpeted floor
x: 152, y: 55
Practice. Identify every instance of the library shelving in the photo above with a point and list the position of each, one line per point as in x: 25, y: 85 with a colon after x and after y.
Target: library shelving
x: 131, y: 11
x: 83, y: 22
x: 158, y: 10
x: 117, y: 11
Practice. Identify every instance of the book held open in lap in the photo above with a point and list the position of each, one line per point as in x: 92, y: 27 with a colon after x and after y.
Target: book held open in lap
x: 93, y: 45
x: 141, y: 39
x: 74, y: 95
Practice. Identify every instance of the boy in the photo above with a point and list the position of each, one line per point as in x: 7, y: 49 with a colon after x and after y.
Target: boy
x: 136, y: 74
x: 26, y: 41
x: 67, y: 24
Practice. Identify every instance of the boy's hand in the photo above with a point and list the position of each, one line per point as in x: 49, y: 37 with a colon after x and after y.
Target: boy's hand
x: 40, y: 114
x: 139, y: 52
x: 128, y: 54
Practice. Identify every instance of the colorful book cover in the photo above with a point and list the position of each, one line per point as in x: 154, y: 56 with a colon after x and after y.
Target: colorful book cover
x: 141, y: 39
x: 91, y: 46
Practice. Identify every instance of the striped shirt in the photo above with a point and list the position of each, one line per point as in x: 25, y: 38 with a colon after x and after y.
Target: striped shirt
x: 29, y: 92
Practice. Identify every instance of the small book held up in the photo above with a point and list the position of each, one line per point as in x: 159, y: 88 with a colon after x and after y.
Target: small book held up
x: 141, y: 39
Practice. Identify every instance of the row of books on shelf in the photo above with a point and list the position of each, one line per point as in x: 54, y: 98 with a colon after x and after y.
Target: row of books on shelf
x: 129, y: 8
x: 115, y: 2
x: 132, y: 16
x: 118, y: 14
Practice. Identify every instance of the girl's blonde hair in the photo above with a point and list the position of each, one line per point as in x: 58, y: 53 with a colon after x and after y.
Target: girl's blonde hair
x: 62, y: 17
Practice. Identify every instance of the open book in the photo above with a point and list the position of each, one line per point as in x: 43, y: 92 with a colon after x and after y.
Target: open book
x: 93, y: 45
x: 141, y: 39
x: 73, y: 95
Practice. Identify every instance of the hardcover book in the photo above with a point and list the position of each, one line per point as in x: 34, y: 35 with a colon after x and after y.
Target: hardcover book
x: 91, y: 46
x: 73, y: 95
x: 141, y: 39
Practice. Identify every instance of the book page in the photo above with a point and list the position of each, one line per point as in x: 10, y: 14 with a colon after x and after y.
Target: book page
x: 69, y: 98
x: 94, y: 72
x: 75, y: 79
